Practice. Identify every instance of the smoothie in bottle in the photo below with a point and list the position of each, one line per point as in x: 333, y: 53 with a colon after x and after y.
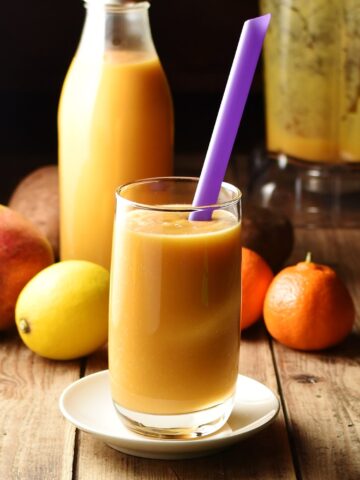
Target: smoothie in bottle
x: 115, y: 124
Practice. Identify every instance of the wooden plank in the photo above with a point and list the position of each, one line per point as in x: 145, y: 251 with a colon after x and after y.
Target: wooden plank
x: 35, y: 440
x: 266, y: 455
x: 322, y: 390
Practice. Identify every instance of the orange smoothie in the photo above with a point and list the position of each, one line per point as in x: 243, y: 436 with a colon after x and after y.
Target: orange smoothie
x: 312, y: 80
x: 174, y: 311
x: 115, y: 126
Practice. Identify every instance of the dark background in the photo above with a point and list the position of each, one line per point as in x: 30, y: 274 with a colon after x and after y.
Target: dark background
x: 195, y: 40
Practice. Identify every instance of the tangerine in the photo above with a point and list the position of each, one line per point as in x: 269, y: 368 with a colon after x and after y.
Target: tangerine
x: 256, y: 276
x: 307, y: 307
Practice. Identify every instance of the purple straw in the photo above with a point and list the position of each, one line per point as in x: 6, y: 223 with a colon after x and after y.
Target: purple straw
x: 229, y: 116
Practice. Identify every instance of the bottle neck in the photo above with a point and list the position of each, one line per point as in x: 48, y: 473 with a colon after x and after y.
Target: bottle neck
x: 112, y: 25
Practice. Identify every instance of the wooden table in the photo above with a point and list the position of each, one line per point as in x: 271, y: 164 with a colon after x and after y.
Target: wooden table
x: 315, y: 436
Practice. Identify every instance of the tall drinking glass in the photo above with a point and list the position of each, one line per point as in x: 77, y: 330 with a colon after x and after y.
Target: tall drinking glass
x: 174, y: 308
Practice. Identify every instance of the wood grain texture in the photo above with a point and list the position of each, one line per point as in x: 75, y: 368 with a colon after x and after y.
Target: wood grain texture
x: 322, y: 390
x: 266, y: 455
x: 35, y: 440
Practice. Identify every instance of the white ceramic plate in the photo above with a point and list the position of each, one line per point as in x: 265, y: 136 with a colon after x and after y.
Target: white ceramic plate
x: 87, y: 404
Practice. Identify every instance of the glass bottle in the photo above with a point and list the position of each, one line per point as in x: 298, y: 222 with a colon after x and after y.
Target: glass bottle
x: 115, y: 124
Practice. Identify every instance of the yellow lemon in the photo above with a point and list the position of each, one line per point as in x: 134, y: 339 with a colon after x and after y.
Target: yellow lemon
x: 62, y: 313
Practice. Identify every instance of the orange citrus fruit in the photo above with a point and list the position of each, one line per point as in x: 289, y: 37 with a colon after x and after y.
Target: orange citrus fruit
x: 307, y: 307
x: 256, y: 276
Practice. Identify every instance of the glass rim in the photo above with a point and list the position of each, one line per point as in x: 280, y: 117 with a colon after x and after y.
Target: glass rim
x: 119, y: 5
x: 177, y: 208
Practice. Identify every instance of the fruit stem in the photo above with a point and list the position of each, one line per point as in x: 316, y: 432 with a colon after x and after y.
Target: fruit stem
x: 308, y: 257
x: 24, y: 326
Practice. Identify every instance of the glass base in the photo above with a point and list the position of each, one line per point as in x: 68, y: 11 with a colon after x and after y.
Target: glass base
x: 180, y: 426
x: 311, y: 195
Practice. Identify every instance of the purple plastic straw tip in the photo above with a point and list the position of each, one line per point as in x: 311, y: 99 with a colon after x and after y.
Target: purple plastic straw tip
x: 230, y: 113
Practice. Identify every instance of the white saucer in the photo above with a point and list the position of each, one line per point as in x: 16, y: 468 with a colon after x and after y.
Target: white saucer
x: 87, y: 404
